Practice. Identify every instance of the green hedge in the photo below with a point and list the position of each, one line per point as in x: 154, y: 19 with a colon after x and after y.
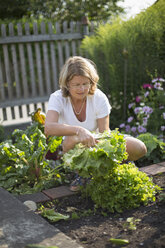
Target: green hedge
x: 128, y: 53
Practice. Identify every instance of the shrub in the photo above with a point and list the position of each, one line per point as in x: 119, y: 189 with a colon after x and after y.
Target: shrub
x: 126, y: 53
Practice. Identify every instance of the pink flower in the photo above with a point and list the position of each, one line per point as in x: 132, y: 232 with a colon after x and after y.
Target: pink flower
x: 138, y: 99
x: 147, y: 86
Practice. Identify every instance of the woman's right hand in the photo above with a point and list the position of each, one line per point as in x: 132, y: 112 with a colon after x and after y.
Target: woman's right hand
x: 85, y: 137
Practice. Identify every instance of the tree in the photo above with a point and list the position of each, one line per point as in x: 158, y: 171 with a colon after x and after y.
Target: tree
x: 13, y: 9
x: 76, y: 9
x: 60, y: 10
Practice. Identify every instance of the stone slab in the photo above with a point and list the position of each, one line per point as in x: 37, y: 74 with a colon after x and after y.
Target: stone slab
x: 162, y: 163
x: 20, y: 226
x: 153, y: 169
x: 58, y: 192
x: 36, y: 197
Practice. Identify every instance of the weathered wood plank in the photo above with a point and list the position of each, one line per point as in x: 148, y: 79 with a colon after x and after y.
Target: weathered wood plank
x: 53, y: 60
x: 23, y: 64
x: 66, y: 43
x: 38, y: 62
x: 59, y: 45
x: 46, y: 62
x: 7, y: 72
x: 9, y: 114
x: 20, y: 101
x: 2, y: 90
x: 31, y: 63
x: 1, y: 116
x: 16, y: 113
x: 24, y: 112
x: 73, y: 43
x: 7, y: 64
x: 31, y: 108
x: 15, y: 63
x: 78, y: 29
x: 39, y: 38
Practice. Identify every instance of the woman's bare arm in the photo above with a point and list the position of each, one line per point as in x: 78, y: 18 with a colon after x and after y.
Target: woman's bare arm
x: 74, y: 134
x: 52, y: 127
x: 103, y: 124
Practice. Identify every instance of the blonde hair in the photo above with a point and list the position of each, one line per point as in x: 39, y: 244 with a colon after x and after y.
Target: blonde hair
x: 78, y: 66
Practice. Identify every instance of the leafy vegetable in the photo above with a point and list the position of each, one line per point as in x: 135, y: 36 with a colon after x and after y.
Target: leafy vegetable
x: 155, y: 149
x: 113, y: 185
x: 23, y: 166
x: 99, y: 160
x: 124, y: 187
x: 51, y: 215
x: 130, y: 223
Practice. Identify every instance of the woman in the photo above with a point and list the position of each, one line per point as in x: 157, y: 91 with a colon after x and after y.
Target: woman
x: 79, y: 107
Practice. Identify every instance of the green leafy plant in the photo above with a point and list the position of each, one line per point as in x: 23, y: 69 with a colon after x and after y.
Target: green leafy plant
x: 162, y: 197
x: 155, y: 149
x: 113, y: 185
x: 75, y: 216
x: 2, y: 133
x: 131, y: 223
x: 22, y: 161
x: 125, y: 187
x: 51, y: 215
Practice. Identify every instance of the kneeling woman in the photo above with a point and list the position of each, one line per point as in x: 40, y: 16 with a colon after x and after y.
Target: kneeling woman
x: 79, y: 107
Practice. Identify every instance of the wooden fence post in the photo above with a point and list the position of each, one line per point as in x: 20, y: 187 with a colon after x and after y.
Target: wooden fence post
x: 85, y: 23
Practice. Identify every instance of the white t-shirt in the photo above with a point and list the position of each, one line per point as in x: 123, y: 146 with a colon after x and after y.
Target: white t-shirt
x: 97, y: 106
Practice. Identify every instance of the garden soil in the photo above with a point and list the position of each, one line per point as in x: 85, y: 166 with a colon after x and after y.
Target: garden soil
x: 142, y: 227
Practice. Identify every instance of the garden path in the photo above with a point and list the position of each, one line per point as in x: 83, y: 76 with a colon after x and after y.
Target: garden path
x: 19, y: 226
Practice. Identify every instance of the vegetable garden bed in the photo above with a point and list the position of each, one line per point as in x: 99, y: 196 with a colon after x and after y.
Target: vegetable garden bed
x: 111, y: 206
x: 142, y: 227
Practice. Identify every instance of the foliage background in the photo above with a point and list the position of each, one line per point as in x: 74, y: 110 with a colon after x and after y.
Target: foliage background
x: 128, y: 54
x: 61, y: 10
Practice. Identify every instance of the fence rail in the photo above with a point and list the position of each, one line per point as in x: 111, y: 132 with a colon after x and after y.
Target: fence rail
x: 30, y: 60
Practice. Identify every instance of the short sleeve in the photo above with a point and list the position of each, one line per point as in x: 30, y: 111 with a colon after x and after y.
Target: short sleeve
x: 102, y: 105
x: 56, y: 102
